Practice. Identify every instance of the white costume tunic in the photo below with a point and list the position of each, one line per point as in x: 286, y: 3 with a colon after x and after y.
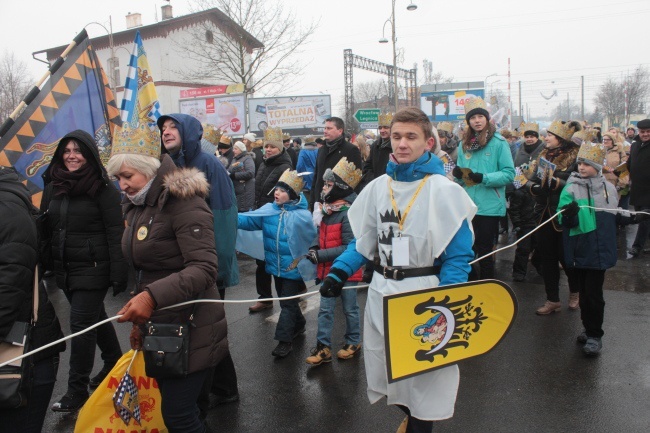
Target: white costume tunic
x: 435, y: 217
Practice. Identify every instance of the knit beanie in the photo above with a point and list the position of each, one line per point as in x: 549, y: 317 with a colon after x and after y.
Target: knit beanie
x: 241, y: 146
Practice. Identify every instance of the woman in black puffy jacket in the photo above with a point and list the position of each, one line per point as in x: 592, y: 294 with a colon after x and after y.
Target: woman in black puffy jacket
x: 84, y: 219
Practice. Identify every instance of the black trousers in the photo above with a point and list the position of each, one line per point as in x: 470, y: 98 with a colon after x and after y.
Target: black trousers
x: 179, y: 402
x: 262, y: 280
x: 550, y: 247
x: 520, y: 264
x: 416, y: 425
x: 486, y: 233
x: 592, y: 302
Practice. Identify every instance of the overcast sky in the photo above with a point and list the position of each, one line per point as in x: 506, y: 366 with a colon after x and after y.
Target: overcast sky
x: 550, y: 44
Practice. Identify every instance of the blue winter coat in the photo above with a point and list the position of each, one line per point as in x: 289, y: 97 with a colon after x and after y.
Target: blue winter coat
x: 221, y: 200
x: 307, y: 162
x: 287, y: 232
x: 494, y: 162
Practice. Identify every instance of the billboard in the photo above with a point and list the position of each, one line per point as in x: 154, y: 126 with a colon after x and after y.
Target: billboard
x: 448, y: 105
x: 298, y: 115
x: 227, y: 112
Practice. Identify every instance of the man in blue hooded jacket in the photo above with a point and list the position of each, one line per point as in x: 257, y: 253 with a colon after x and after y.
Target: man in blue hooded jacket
x: 181, y: 138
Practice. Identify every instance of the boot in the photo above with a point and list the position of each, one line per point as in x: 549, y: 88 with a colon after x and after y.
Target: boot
x: 593, y: 346
x: 574, y: 301
x: 548, y: 308
x: 403, y: 425
x: 348, y: 351
x: 319, y: 354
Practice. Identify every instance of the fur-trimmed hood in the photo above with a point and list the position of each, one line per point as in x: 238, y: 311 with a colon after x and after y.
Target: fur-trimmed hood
x: 186, y: 183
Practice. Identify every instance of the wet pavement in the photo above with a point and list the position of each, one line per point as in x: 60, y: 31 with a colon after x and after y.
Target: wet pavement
x: 536, y: 380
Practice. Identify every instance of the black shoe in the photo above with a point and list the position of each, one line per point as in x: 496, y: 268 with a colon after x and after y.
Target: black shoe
x: 218, y: 400
x: 582, y: 338
x: 282, y: 349
x: 99, y: 378
x: 70, y: 403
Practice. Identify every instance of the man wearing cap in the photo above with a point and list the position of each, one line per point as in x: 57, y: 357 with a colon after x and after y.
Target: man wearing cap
x: 487, y: 156
x: 181, y: 136
x: 336, y: 147
x: 637, y: 165
x: 380, y: 151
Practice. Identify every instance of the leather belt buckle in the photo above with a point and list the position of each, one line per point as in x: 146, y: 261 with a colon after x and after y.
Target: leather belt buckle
x: 393, y: 274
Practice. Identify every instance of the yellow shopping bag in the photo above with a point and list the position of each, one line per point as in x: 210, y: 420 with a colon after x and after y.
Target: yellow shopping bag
x: 98, y: 415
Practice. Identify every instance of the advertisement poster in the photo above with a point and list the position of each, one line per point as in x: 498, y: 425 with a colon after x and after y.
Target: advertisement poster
x: 225, y: 112
x: 297, y: 115
x: 448, y: 105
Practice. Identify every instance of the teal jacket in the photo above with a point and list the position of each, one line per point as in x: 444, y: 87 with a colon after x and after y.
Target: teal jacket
x: 494, y: 162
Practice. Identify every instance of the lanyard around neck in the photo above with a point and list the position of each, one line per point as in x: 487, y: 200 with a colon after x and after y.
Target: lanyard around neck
x: 410, y: 204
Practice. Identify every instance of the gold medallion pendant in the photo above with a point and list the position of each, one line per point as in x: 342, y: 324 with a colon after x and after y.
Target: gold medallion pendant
x: 142, y: 233
x: 468, y: 155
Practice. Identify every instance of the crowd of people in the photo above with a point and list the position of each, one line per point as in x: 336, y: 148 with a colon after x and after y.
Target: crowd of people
x: 340, y: 209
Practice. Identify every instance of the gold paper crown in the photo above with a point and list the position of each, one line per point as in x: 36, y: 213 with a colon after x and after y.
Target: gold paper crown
x: 473, y: 103
x: 562, y: 130
x: 592, y: 152
x: 445, y: 126
x: 292, y: 180
x: 585, y: 135
x: 225, y: 139
x: 532, y: 126
x: 597, y: 125
x: 140, y: 140
x: 348, y: 172
x: 212, y: 134
x: 310, y: 139
x: 273, y: 136
x: 385, y: 119
x: 286, y: 136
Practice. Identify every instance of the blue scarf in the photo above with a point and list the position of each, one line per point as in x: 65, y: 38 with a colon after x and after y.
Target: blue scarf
x: 416, y: 170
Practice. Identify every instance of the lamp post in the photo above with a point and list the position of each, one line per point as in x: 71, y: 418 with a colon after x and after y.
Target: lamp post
x: 112, y: 84
x: 411, y: 7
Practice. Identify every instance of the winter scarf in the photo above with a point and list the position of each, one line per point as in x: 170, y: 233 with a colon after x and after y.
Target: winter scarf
x: 472, y: 142
x: 86, y: 180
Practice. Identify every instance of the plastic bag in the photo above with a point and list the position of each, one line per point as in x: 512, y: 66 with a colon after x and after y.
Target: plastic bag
x: 99, y: 415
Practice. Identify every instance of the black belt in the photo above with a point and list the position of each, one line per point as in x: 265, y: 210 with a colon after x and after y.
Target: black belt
x: 399, y: 274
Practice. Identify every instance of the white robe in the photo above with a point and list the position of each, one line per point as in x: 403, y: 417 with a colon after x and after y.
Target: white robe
x: 435, y: 217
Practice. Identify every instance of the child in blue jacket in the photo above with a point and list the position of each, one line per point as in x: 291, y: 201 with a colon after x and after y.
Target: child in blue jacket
x: 287, y: 233
x: 589, y: 239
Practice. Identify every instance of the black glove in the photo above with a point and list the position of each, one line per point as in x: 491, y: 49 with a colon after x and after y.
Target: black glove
x: 312, y: 256
x: 571, y: 209
x: 476, y: 177
x: 553, y: 184
x: 331, y: 288
x: 457, y: 172
x: 118, y: 288
x: 536, y: 189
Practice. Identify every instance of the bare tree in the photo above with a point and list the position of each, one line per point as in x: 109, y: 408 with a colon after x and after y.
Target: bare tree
x: 230, y: 57
x: 14, y: 83
x: 566, y: 110
x: 371, y: 92
x: 610, y: 100
x: 638, y: 88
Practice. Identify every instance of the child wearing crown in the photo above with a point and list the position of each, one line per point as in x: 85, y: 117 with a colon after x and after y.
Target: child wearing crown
x: 589, y: 239
x: 334, y: 234
x: 287, y: 233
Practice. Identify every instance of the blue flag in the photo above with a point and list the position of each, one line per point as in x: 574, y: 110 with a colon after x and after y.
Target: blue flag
x: 140, y: 101
x: 77, y: 96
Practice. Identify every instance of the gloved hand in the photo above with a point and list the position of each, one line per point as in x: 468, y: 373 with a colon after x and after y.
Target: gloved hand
x: 331, y: 288
x: 640, y: 217
x: 457, y: 172
x: 536, y: 189
x: 553, y: 184
x: 571, y: 209
x: 138, y: 310
x: 312, y: 256
x: 476, y: 177
x: 118, y: 287
x: 135, y: 337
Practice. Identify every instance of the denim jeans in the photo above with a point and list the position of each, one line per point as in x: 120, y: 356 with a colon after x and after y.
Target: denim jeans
x: 179, y: 402
x: 86, y: 309
x: 351, y: 311
x: 291, y: 319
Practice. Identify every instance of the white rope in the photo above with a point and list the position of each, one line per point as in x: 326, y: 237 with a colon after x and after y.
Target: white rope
x: 303, y: 295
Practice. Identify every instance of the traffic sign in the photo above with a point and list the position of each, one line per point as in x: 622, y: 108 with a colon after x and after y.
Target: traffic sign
x: 367, y: 115
x: 369, y: 125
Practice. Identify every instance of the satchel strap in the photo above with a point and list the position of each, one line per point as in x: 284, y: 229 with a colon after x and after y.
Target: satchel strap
x: 35, y: 297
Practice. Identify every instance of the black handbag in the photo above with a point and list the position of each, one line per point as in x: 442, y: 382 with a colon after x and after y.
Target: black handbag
x: 15, y: 378
x: 166, y: 349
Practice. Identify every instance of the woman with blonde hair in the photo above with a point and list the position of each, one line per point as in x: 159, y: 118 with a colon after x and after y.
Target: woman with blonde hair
x: 362, y: 144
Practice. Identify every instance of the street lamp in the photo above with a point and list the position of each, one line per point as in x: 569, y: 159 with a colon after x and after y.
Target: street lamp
x: 111, y: 61
x: 411, y: 7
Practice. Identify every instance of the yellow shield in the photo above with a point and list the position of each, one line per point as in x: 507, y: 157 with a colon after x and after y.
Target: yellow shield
x: 433, y: 328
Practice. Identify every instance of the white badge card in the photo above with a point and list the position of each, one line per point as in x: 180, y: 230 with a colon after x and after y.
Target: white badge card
x: 400, y: 251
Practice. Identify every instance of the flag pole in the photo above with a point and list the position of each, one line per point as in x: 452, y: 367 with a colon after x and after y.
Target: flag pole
x: 37, y: 87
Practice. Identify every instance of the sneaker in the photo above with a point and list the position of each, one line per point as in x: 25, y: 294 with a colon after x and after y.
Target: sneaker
x: 548, y: 308
x: 70, y: 403
x: 592, y: 347
x: 282, y: 349
x: 96, y: 380
x: 582, y: 338
x: 218, y: 400
x: 518, y: 277
x: 348, y: 351
x: 320, y: 354
x: 635, y: 251
x: 574, y: 301
x: 403, y: 425
x: 260, y: 306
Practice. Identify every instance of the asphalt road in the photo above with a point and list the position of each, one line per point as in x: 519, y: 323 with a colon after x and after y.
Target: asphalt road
x: 536, y: 380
